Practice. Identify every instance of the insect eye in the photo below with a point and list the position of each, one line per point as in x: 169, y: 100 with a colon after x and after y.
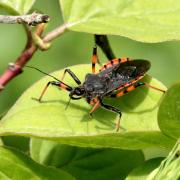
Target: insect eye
x: 79, y: 91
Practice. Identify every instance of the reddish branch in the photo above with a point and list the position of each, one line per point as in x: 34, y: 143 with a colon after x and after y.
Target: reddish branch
x: 16, y: 68
x: 35, y: 41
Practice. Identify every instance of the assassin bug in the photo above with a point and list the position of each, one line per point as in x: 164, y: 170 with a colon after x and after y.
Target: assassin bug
x: 114, y: 79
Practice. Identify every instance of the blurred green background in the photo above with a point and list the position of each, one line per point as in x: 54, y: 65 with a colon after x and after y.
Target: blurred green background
x: 76, y: 48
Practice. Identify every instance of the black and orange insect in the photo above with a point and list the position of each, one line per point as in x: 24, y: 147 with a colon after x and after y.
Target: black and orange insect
x: 114, y: 79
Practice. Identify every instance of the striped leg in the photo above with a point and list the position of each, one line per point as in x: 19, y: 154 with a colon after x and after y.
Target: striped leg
x: 113, y: 109
x: 99, y: 103
x: 95, y: 107
x: 55, y: 83
x: 76, y: 79
x: 94, y: 59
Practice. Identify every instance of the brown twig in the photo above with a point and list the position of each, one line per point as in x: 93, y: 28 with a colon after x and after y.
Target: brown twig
x: 44, y: 43
x: 16, y: 68
x: 30, y: 19
x: 103, y: 43
x: 55, y: 33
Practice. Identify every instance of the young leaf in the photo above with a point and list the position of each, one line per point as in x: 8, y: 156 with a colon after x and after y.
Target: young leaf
x: 169, y: 167
x: 16, y: 165
x: 51, y: 120
x: 142, y: 172
x: 142, y: 20
x: 155, y: 152
x: 17, y: 6
x: 86, y: 163
x: 169, y: 112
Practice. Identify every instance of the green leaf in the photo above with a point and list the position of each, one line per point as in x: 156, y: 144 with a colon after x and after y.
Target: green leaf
x: 51, y: 120
x: 18, y: 142
x: 17, y: 6
x: 1, y: 143
x: 169, y: 112
x: 155, y: 152
x: 16, y: 165
x: 169, y: 167
x: 142, y: 172
x: 86, y: 163
x: 142, y: 20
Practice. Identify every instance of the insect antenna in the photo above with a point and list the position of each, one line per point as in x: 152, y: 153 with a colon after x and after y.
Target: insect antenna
x: 67, y: 105
x: 43, y: 72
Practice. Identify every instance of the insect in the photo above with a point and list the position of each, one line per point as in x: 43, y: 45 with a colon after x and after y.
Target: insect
x: 114, y: 79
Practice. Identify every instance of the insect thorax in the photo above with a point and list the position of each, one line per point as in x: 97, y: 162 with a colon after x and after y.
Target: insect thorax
x: 95, y: 85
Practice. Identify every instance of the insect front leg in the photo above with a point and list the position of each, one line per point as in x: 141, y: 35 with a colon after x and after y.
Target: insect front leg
x: 96, y: 105
x: 76, y: 79
x: 113, y: 109
x: 54, y: 83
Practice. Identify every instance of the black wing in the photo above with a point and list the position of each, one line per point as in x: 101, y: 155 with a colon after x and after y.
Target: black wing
x: 125, y: 74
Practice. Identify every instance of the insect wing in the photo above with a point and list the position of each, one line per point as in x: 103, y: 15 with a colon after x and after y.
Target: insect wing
x: 125, y: 74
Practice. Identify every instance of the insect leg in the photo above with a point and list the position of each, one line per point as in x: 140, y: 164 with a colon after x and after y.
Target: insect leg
x: 55, y: 83
x: 113, y: 109
x: 76, y: 79
x: 95, y: 107
x: 94, y: 59
x: 148, y: 85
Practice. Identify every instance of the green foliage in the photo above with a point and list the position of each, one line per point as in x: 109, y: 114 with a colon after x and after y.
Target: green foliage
x: 18, y: 142
x: 169, y: 112
x: 169, y: 167
x: 1, y: 143
x: 142, y: 172
x: 154, y: 152
x: 86, y: 163
x: 142, y: 20
x: 17, y: 6
x: 74, y: 126
x: 25, y: 168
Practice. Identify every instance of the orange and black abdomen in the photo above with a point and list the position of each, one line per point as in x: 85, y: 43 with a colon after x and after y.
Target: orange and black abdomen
x: 124, y: 74
x: 113, y: 62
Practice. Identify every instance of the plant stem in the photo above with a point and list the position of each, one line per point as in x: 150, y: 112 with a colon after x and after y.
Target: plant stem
x: 55, y: 33
x: 103, y: 43
x: 30, y: 19
x: 16, y: 68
